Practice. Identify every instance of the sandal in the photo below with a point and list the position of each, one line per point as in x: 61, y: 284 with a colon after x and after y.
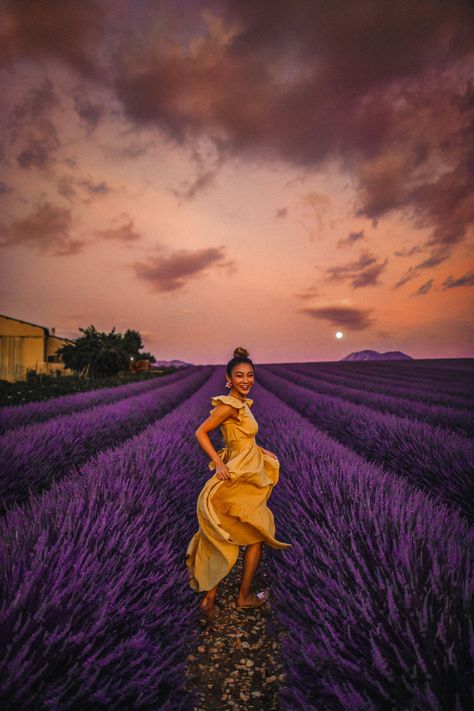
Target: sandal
x: 260, y: 599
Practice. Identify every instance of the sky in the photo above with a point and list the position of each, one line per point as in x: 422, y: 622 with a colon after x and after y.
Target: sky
x: 258, y: 174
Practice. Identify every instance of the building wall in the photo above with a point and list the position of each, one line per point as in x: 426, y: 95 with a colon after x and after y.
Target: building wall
x: 25, y: 346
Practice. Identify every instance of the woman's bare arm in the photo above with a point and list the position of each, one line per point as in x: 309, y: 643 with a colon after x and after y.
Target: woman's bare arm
x: 221, y: 413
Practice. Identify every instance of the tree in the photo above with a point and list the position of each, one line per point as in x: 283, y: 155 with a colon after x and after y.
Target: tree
x: 132, y: 342
x: 99, y: 354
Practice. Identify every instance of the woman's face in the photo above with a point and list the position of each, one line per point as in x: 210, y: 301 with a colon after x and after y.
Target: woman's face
x: 242, y: 379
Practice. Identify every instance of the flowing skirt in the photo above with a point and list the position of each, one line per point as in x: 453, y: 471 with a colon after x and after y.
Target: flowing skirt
x: 232, y: 513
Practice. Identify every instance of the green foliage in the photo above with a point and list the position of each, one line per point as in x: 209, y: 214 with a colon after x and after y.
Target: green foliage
x: 99, y: 354
x: 41, y: 386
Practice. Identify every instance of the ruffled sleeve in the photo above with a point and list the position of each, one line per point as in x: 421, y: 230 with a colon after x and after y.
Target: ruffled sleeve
x: 228, y: 400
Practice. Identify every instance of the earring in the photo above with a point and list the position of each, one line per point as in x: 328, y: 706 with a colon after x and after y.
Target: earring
x: 228, y: 385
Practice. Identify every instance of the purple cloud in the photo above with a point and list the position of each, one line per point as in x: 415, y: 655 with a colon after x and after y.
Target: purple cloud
x: 172, y: 272
x: 356, y: 319
x: 47, y: 228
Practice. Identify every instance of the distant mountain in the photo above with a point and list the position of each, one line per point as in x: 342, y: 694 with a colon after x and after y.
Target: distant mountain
x: 375, y: 355
x: 170, y: 363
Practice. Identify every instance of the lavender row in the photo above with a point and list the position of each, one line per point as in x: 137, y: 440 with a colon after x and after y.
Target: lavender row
x: 447, y: 383
x: 96, y: 607
x: 416, y: 371
x: 459, y: 420
x: 36, y: 455
x: 440, y: 462
x: 370, y: 382
x: 21, y: 415
x: 406, y: 373
x: 376, y: 591
x: 430, y: 394
x: 457, y: 365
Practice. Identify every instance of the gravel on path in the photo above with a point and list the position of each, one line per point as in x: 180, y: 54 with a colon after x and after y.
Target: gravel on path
x: 236, y: 664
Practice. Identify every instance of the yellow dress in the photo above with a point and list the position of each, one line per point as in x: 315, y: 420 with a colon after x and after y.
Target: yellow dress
x: 233, y: 513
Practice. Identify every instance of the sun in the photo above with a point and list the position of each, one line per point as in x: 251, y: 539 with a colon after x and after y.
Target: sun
x: 339, y: 334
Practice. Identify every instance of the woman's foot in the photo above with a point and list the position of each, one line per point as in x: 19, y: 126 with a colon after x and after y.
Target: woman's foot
x: 253, y: 599
x: 208, y: 606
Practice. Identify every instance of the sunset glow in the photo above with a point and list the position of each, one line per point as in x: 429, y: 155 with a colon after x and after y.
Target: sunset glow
x: 220, y: 174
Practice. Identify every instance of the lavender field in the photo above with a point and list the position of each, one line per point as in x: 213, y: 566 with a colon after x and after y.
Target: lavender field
x: 376, y: 494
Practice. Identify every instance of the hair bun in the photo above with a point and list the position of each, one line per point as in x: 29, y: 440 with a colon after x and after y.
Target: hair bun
x: 240, y: 352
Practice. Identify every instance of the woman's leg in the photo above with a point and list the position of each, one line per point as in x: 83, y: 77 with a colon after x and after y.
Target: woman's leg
x: 208, y: 601
x: 251, y: 560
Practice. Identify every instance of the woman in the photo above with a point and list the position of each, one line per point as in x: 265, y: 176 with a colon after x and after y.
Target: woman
x: 232, y: 506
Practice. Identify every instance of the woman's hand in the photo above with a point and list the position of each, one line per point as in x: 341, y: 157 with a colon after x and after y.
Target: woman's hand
x: 222, y: 471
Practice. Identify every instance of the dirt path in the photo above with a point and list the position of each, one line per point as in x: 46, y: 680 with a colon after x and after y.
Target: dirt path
x: 236, y: 664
